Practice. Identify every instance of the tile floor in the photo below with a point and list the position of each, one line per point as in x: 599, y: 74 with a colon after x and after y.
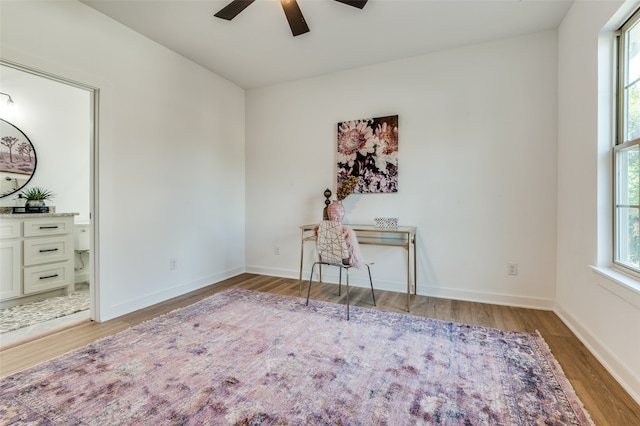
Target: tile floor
x: 27, y: 333
x: 47, y: 309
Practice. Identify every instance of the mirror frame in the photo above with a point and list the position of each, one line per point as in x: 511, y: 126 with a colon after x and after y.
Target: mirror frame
x: 35, y: 158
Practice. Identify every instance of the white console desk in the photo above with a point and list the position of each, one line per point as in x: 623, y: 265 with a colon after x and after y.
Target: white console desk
x: 401, y: 236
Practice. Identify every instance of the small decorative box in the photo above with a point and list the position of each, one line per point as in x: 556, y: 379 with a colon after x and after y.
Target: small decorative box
x: 386, y: 222
x: 31, y: 209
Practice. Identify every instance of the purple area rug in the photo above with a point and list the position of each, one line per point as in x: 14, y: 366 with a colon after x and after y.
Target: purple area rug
x: 250, y: 358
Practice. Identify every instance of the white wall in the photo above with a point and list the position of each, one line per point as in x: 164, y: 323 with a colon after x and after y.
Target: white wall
x: 170, y: 154
x: 607, y: 323
x: 56, y: 119
x: 478, y: 128
x: 477, y: 168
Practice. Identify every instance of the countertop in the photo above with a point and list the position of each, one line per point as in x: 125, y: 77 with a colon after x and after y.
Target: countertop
x: 32, y: 215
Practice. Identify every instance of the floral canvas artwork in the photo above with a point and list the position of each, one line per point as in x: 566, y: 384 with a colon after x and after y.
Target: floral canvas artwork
x: 368, y: 149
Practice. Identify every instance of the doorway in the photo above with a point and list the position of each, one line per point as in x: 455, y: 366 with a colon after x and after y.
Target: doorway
x: 59, y: 116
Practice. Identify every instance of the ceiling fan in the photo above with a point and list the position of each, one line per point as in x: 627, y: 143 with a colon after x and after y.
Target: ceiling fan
x: 291, y: 10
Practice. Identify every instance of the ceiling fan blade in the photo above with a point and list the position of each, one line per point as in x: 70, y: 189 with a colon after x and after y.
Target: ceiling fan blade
x: 355, y: 3
x: 294, y: 15
x: 231, y: 10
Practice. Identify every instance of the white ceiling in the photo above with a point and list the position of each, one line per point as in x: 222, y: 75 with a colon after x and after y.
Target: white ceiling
x: 257, y: 49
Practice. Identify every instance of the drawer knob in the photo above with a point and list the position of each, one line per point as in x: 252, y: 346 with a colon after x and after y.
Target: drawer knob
x: 47, y: 250
x: 49, y: 276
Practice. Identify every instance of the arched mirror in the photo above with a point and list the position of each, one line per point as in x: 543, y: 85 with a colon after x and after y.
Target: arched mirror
x: 17, y: 159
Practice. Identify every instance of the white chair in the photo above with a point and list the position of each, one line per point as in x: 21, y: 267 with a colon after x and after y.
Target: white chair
x: 333, y: 251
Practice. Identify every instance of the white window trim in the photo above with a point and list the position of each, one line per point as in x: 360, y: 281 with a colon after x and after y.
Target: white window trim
x: 618, y: 267
x: 622, y: 285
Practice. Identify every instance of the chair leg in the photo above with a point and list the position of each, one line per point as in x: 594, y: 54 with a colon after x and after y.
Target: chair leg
x: 339, y: 285
x: 347, y: 293
x: 371, y: 282
x: 310, y: 278
x: 340, y: 282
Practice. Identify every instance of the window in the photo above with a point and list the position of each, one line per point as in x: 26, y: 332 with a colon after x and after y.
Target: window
x: 627, y: 148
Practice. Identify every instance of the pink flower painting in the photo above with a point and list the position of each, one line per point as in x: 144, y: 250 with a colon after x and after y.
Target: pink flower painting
x: 368, y: 149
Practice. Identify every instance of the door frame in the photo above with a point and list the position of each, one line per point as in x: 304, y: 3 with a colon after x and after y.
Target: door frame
x: 94, y: 216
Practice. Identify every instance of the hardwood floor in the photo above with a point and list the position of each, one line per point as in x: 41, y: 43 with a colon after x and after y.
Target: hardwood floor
x: 605, y: 400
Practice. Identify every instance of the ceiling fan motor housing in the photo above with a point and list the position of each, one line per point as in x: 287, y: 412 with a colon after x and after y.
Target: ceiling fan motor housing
x: 291, y: 9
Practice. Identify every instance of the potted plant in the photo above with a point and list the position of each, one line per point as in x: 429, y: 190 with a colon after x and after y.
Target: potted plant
x: 36, y: 196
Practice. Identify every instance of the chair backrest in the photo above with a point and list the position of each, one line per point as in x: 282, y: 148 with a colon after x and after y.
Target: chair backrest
x: 332, y: 246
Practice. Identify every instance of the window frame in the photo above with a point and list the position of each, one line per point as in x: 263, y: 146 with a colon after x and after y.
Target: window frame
x: 620, y: 144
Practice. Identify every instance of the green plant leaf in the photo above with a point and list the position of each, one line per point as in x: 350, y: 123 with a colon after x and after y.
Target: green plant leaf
x: 37, y: 193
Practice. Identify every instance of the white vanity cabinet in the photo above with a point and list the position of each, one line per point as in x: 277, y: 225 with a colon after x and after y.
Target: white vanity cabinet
x: 36, y: 254
x: 10, y: 259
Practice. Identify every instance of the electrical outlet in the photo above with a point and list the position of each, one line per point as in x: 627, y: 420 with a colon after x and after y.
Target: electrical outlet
x: 512, y: 269
x: 276, y: 250
x: 173, y: 263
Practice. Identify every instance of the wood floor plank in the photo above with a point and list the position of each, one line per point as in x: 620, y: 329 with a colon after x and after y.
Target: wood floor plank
x: 603, y: 397
x: 481, y: 315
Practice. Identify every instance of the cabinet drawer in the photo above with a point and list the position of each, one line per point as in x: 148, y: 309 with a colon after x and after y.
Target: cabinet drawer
x: 47, y: 277
x: 47, y: 226
x: 47, y: 250
x: 10, y: 228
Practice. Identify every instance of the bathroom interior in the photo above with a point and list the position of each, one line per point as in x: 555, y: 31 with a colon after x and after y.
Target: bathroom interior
x: 55, y: 117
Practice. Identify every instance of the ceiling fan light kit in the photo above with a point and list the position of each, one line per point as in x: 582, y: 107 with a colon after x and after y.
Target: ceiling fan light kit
x: 291, y: 10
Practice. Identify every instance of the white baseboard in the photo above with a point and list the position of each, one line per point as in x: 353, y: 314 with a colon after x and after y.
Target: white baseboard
x: 363, y: 281
x: 133, y: 305
x: 487, y: 297
x: 626, y: 378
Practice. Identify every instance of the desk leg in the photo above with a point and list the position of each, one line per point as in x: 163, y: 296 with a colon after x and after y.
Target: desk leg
x: 301, y: 259
x: 415, y: 268
x: 411, y: 242
x: 408, y: 278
